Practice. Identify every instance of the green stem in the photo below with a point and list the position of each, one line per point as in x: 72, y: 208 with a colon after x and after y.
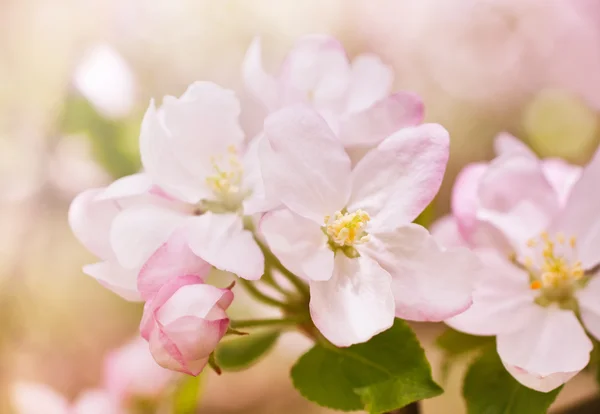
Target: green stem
x: 253, y: 323
x: 269, y: 280
x: 274, y: 261
x: 261, y: 297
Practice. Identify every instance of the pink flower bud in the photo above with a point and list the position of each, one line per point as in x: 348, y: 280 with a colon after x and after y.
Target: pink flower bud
x: 184, y: 322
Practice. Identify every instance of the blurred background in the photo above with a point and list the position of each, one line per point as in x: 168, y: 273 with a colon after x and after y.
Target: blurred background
x: 76, y: 77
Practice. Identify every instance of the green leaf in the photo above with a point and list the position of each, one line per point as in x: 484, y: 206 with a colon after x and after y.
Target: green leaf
x: 490, y: 389
x: 187, y: 395
x: 455, y: 343
x: 240, y: 352
x: 386, y: 373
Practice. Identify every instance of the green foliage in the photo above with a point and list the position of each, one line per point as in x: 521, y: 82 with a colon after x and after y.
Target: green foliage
x: 456, y: 345
x: 240, y: 352
x: 386, y: 373
x: 187, y: 395
x: 490, y: 389
x: 114, y: 142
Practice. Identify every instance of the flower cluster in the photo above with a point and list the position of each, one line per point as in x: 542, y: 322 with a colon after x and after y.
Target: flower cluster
x: 536, y: 226
x: 288, y: 200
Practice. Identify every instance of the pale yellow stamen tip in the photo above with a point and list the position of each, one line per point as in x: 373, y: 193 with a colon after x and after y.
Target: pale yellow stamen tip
x: 347, y: 229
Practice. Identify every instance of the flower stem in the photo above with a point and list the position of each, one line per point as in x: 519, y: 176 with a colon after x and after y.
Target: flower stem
x: 253, y: 323
x: 262, y: 297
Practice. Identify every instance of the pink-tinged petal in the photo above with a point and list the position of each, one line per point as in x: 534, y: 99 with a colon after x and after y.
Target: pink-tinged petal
x: 315, y: 70
x: 397, y: 180
x: 161, y: 163
x: 260, y: 84
x: 446, y: 233
x: 506, y: 143
x: 166, y: 355
x: 257, y: 201
x: 583, y: 204
x: 589, y: 306
x: 465, y: 197
x: 137, y: 232
x: 131, y: 372
x: 548, y: 352
x: 355, y: 304
x: 502, y: 300
x: 371, y: 80
x: 95, y: 402
x: 173, y: 259
x: 588, y: 247
x: 298, y: 243
x: 114, y: 277
x: 147, y: 323
x: 562, y: 176
x: 305, y: 165
x: 429, y: 283
x: 221, y: 240
x: 197, y: 300
x: 131, y: 185
x: 90, y: 221
x: 31, y: 398
x: 377, y: 122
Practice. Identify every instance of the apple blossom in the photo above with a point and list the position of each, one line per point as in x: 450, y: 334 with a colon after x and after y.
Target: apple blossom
x: 92, y: 215
x: 354, y: 97
x: 191, y: 149
x: 349, y: 232
x: 130, y: 374
x: 184, y: 322
x: 535, y: 224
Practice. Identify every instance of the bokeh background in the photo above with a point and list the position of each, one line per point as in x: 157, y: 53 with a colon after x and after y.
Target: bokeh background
x: 77, y: 75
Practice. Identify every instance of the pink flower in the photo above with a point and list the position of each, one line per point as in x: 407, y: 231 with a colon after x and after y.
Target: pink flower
x: 349, y: 232
x: 191, y: 149
x: 354, y: 97
x: 32, y: 398
x: 184, y: 322
x: 536, y: 226
x: 93, y: 215
x: 130, y: 373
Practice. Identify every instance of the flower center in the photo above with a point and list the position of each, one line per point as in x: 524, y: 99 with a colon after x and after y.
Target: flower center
x: 346, y: 229
x: 226, y: 182
x: 556, y: 273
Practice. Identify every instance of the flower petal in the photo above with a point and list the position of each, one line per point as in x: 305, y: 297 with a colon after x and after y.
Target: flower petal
x: 162, y: 164
x: 551, y: 350
x: 137, y: 232
x: 355, y: 304
x: 121, y: 281
x: 397, y: 180
x: 373, y: 124
x: 562, y: 176
x: 261, y: 85
x: 445, y: 231
x: 583, y: 204
x: 257, y: 201
x: 32, y: 398
x: 173, y: 259
x: 95, y: 402
x: 502, y: 300
x: 90, y: 221
x: 298, y: 243
x: 305, y: 165
x: 506, y: 143
x: 221, y: 240
x: 371, y: 80
x: 589, y: 306
x: 465, y: 197
x: 429, y: 284
x: 131, y: 185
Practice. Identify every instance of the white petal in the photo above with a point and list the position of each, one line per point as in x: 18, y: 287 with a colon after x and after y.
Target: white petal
x: 589, y: 306
x: 371, y: 80
x: 506, y: 143
x: 548, y: 352
x: 131, y: 185
x: 429, y: 284
x: 95, y: 402
x: 90, y: 221
x: 221, y: 240
x: 562, y: 176
x: 385, y: 117
x: 260, y: 84
x: 502, y: 301
x: 355, y: 304
x: 446, y: 233
x: 298, y: 243
x: 162, y: 164
x: 397, y: 180
x: 137, y: 232
x: 121, y: 281
x: 32, y: 398
x: 305, y: 166
x: 257, y: 201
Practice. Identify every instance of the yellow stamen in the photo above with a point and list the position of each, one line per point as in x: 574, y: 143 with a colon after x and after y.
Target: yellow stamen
x: 347, y: 229
x: 535, y: 285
